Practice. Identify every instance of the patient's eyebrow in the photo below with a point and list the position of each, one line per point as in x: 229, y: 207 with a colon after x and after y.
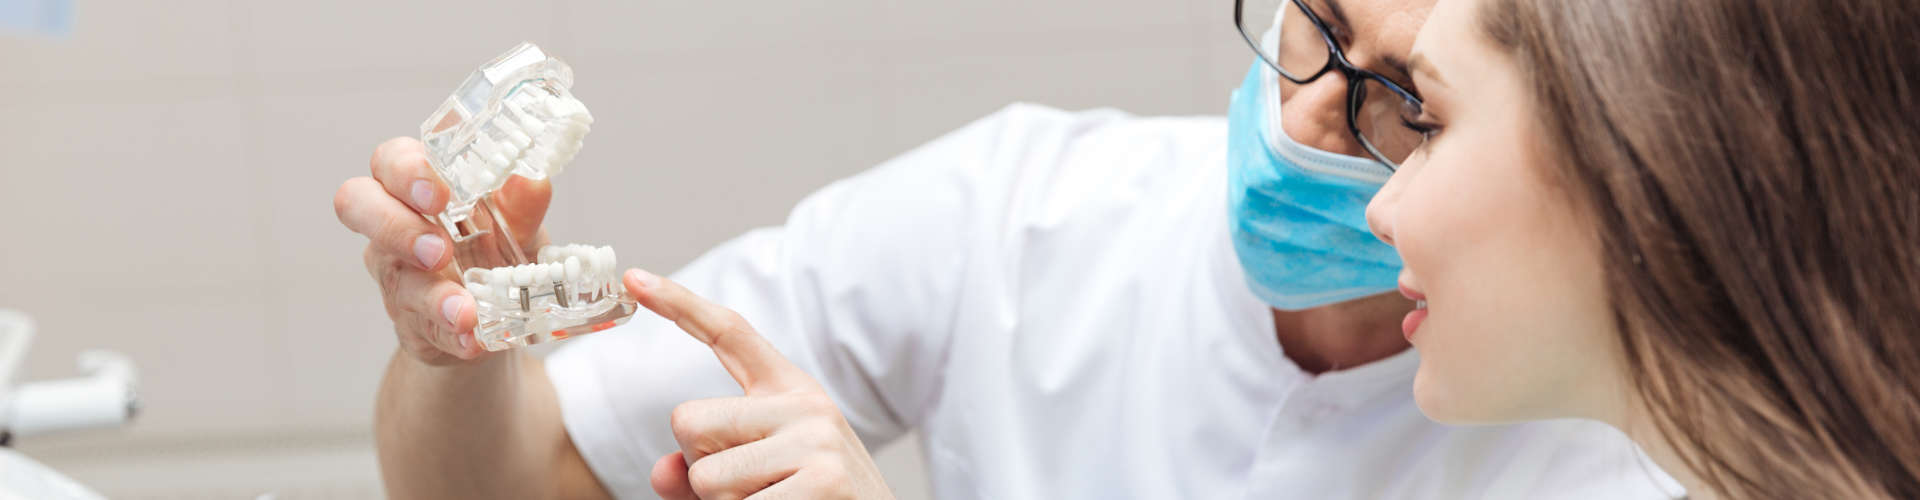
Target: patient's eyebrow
x: 1421, y: 65
x: 1399, y: 66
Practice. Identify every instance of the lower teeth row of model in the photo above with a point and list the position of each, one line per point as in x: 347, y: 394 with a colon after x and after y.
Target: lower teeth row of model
x: 564, y: 275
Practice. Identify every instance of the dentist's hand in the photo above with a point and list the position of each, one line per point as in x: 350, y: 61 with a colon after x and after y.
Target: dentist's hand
x: 410, y: 256
x: 783, y: 439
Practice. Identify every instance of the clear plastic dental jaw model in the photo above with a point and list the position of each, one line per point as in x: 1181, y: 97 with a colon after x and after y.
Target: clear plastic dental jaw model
x: 516, y: 116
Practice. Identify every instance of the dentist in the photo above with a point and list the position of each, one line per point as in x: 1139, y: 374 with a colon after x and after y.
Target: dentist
x: 1062, y: 304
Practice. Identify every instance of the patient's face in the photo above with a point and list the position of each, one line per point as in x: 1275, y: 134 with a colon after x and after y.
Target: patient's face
x: 1517, y: 325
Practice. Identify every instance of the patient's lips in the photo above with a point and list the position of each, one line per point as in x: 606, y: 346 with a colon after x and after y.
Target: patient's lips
x: 1419, y: 313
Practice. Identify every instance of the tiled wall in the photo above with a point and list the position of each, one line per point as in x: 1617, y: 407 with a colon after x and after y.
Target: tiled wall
x: 167, y: 170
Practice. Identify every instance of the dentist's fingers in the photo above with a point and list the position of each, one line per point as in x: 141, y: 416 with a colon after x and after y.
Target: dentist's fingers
x: 805, y: 484
x: 754, y: 363
x: 524, y: 203
x: 669, y: 478
x: 366, y: 208
x: 736, y: 472
x: 400, y: 164
x: 432, y: 313
x: 706, y: 426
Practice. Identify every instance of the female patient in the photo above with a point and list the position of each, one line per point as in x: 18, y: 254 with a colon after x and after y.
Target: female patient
x: 1696, y: 221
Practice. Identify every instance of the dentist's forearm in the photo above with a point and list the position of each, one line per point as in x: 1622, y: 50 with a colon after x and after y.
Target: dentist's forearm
x: 489, y: 428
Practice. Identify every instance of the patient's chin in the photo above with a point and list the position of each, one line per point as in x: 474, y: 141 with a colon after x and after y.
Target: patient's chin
x: 1449, y: 402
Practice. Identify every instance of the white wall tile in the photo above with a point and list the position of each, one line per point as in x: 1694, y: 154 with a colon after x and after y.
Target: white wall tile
x: 134, y: 192
x: 129, y: 41
x: 673, y: 26
x: 343, y: 35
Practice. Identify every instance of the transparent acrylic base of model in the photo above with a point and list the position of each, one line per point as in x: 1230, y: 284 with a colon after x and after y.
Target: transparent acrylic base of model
x: 517, y: 116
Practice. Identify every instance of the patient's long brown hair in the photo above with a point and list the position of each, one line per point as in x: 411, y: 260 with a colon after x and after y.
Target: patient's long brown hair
x: 1751, y: 169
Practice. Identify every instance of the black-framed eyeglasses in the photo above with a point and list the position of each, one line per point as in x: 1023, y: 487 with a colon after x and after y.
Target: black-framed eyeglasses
x: 1302, y: 49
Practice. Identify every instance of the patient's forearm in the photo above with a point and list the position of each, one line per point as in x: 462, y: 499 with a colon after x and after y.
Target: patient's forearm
x: 486, y: 429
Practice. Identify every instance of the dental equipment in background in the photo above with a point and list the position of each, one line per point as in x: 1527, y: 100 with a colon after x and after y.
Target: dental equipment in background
x: 517, y: 116
x: 104, y: 397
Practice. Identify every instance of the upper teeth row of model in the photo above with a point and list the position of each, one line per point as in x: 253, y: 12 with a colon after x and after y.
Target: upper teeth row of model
x: 537, y: 130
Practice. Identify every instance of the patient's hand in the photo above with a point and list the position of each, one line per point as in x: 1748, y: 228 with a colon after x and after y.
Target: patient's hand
x: 410, y: 256
x: 784, y: 439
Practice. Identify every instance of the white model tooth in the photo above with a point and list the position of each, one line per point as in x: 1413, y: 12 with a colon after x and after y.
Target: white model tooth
x: 485, y: 146
x: 519, y: 139
x: 461, y: 165
x: 567, y: 144
x: 510, y: 148
x: 500, y: 275
x: 480, y: 292
x: 499, y: 161
x: 541, y: 274
x: 547, y: 253
x: 527, y: 97
x: 572, y: 268
x: 505, y: 144
x: 479, y: 180
x: 529, y: 123
x: 556, y: 272
x: 522, y: 275
x: 607, y: 253
x: 538, y: 158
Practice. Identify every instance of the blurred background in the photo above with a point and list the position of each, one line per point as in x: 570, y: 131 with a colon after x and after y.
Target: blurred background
x: 168, y: 170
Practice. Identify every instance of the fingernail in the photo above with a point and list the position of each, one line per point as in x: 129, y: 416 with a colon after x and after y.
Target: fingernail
x: 428, y: 248
x: 643, y: 278
x: 466, y: 342
x: 422, y: 195
x: 450, y: 308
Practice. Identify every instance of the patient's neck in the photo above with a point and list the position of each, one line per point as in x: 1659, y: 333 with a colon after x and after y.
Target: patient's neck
x: 1631, y: 416
x: 1344, y: 335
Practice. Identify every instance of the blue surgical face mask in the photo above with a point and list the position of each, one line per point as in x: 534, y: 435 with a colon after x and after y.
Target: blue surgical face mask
x: 1298, y: 213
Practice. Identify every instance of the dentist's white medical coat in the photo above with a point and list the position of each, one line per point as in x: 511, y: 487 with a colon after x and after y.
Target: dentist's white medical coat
x: 1051, y: 300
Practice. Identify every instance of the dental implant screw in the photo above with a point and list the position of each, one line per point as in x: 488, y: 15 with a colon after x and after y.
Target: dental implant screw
x: 526, y: 299
x: 560, y: 294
